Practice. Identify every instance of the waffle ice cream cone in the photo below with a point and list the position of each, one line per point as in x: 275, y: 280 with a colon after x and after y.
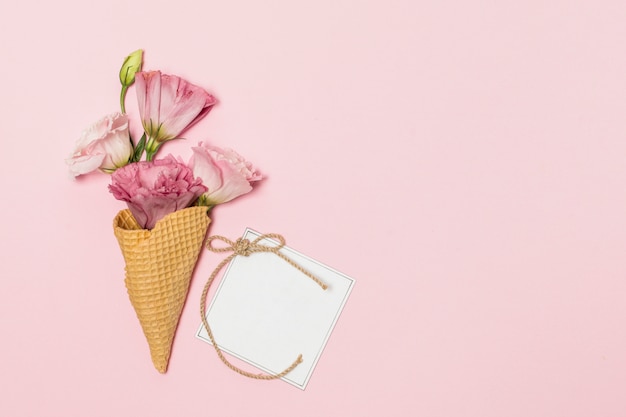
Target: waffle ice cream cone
x: 159, y: 265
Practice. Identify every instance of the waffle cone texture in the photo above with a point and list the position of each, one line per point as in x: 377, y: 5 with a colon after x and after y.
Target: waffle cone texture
x: 159, y: 265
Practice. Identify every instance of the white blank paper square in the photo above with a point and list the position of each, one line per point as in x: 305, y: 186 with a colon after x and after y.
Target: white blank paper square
x: 266, y: 312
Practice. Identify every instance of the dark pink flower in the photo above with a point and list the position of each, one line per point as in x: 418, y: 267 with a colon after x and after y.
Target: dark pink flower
x: 156, y: 188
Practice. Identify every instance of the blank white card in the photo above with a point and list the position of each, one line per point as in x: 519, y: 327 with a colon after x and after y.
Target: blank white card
x: 266, y: 312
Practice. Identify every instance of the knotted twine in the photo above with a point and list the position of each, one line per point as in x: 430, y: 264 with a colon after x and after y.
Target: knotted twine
x: 244, y: 247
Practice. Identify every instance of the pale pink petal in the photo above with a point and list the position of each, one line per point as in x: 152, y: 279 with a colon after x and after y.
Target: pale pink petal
x: 186, y: 104
x: 148, y: 88
x: 141, y: 90
x: 204, y: 168
x: 106, y: 142
x: 234, y: 185
x: 226, y: 178
x: 84, y: 164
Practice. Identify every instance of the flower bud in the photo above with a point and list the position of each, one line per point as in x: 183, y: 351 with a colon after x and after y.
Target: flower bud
x: 131, y: 65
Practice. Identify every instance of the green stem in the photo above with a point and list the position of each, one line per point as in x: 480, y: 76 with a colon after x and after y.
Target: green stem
x: 150, y: 155
x: 122, y: 98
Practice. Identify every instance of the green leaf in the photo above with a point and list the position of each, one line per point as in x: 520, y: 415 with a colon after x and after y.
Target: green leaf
x: 139, y: 149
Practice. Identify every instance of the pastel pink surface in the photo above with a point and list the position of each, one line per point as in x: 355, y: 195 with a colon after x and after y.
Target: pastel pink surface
x: 465, y: 162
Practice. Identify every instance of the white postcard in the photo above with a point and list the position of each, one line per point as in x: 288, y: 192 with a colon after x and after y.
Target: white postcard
x: 266, y: 312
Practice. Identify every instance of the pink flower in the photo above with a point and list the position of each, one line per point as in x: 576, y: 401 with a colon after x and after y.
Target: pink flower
x: 156, y: 188
x: 224, y: 172
x: 168, y: 105
x: 105, y: 145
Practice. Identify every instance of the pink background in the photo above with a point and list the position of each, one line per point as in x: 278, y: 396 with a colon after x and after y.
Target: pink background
x: 465, y: 162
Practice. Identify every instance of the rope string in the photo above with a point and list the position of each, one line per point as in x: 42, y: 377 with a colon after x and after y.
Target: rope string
x: 243, y: 247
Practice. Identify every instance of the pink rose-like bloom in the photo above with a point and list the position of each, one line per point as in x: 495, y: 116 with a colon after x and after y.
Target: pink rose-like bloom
x: 168, y: 105
x: 105, y: 145
x: 226, y: 174
x: 155, y: 189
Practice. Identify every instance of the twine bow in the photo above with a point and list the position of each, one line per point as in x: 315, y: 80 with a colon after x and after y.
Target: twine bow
x: 243, y: 247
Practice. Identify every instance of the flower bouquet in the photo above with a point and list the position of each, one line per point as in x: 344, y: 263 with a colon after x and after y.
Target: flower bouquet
x: 161, y: 232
